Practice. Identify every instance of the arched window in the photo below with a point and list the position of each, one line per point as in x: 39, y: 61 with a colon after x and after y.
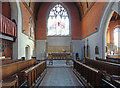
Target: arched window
x: 116, y: 37
x: 31, y: 27
x: 58, y: 21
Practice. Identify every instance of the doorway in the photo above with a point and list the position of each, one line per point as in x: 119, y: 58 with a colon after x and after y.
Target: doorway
x: 27, y: 52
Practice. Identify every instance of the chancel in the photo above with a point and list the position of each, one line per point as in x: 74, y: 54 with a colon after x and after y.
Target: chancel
x: 59, y: 44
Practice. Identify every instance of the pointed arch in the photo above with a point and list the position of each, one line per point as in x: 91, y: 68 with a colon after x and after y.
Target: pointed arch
x: 58, y: 20
x: 104, y: 22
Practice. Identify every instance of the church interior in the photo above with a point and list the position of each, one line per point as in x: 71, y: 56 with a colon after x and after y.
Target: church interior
x: 59, y: 44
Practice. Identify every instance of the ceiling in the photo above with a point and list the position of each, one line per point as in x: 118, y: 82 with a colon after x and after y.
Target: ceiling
x: 115, y: 17
x: 83, y: 7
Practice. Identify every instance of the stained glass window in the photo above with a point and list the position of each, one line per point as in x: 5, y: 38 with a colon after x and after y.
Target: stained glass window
x: 31, y: 27
x: 116, y: 36
x: 58, y: 21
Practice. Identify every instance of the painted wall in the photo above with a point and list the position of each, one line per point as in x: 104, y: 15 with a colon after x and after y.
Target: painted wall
x: 58, y: 41
x: 22, y: 40
x: 93, y: 41
x: 76, y: 48
x: 40, y: 49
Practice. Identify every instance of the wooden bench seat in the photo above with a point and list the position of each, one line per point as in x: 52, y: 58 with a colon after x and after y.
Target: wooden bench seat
x: 11, y: 61
x: 108, y: 60
x: 11, y: 81
x: 113, y: 58
x: 110, y: 68
x: 14, y: 68
x: 32, y: 74
x: 10, y: 69
x: 93, y: 76
x: 115, y: 80
x: 6, y: 59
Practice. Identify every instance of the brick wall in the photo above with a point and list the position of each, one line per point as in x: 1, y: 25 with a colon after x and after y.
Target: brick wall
x: 6, y: 10
x: 42, y: 20
x: 75, y: 21
x: 40, y: 32
x: 92, y: 19
x: 26, y: 15
x: 79, y: 29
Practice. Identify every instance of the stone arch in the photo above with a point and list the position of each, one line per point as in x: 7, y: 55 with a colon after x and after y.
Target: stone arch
x: 16, y: 14
x: 103, y: 25
x: 27, y: 52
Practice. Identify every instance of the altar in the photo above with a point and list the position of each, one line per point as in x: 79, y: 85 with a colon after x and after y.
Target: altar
x: 57, y: 55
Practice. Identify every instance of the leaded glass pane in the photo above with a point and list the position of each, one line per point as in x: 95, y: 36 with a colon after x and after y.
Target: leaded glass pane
x: 58, y: 21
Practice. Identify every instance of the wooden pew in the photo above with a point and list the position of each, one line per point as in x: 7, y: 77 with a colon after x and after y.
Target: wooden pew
x: 115, y: 80
x: 110, y: 68
x: 92, y: 75
x: 12, y: 69
x: 12, y: 61
x: 11, y: 81
x: 6, y: 59
x: 108, y: 60
x: 113, y: 58
x: 107, y: 69
x: 33, y: 74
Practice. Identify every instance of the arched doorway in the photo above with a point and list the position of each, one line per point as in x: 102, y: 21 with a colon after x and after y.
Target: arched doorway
x: 27, y: 52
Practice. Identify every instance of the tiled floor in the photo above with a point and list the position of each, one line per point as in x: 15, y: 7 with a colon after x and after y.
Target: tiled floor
x: 60, y: 77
